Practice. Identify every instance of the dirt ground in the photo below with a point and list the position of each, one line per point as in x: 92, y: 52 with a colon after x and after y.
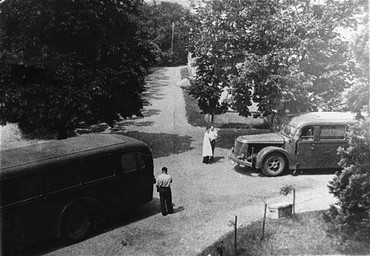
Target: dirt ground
x: 206, y: 197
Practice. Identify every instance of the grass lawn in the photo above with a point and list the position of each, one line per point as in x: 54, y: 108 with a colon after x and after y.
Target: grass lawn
x: 193, y: 113
x: 306, y: 234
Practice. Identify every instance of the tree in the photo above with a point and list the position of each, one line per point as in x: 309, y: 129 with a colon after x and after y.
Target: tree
x: 217, y: 45
x: 351, y: 186
x: 67, y: 62
x: 164, y: 23
x: 357, y: 97
x: 285, y: 55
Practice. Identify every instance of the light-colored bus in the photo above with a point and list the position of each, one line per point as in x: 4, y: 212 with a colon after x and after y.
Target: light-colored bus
x: 64, y: 188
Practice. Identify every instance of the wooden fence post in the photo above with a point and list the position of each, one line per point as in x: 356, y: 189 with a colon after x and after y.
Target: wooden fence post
x: 263, y: 223
x: 293, y: 202
x: 235, y: 242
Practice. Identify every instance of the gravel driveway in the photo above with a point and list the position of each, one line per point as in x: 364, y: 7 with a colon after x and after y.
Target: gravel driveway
x: 206, y: 197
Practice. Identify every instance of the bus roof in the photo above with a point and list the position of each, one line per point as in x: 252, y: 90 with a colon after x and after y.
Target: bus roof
x: 319, y: 118
x: 57, y: 150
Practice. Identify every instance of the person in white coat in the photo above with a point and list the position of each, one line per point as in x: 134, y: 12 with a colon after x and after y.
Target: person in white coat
x: 207, y: 148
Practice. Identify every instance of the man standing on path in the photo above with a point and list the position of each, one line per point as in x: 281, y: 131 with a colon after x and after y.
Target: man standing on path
x: 164, y: 181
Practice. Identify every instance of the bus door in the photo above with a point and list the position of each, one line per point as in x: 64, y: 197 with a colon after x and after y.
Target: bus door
x: 100, y: 180
x: 306, y: 148
x: 135, y: 179
x: 62, y: 184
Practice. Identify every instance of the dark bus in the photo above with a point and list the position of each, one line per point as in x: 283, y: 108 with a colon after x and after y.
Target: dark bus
x: 64, y: 188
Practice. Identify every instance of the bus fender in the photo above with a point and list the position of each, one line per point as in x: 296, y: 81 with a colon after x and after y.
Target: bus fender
x: 91, y: 203
x: 267, y: 150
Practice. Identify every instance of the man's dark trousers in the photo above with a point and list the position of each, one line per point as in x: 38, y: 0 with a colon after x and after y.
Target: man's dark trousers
x: 165, y: 197
x: 213, y: 146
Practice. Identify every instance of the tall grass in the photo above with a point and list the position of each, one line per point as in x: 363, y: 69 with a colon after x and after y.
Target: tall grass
x: 306, y: 234
x: 193, y: 113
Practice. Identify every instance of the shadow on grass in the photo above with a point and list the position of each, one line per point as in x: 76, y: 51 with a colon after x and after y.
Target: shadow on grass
x: 115, y: 220
x: 163, y: 144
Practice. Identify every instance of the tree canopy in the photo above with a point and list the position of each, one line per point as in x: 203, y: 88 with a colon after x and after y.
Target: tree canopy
x: 287, y: 56
x: 164, y: 23
x: 357, y: 97
x: 67, y: 62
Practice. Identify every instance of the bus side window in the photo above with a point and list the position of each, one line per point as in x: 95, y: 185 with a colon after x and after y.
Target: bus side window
x: 333, y: 132
x: 128, y: 162
x: 307, y: 133
x: 62, y: 177
x: 20, y: 188
x: 98, y: 168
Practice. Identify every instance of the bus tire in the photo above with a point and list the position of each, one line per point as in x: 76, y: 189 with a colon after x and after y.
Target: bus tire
x: 274, y: 164
x: 77, y: 224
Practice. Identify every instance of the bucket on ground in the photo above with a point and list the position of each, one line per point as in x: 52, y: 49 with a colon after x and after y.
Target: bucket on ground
x: 280, y: 210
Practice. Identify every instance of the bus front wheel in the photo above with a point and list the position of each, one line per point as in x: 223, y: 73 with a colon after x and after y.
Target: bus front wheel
x: 274, y: 164
x: 77, y: 224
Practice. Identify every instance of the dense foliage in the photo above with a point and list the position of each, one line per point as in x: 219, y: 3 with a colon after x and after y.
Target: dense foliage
x: 287, y: 56
x: 351, y: 215
x: 351, y: 186
x: 164, y: 24
x: 357, y: 96
x: 67, y: 62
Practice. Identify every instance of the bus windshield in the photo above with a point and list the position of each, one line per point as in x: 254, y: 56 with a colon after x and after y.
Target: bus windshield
x: 287, y: 130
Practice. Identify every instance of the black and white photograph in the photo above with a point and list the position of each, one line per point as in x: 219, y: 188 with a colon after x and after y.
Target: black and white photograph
x: 184, y: 127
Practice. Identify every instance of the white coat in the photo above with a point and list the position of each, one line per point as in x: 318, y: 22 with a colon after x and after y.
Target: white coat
x: 207, y: 149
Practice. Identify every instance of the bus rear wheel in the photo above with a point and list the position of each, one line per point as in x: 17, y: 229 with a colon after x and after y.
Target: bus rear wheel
x: 77, y: 224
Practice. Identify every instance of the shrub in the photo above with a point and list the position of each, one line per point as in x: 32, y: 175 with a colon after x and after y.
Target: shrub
x: 351, y: 214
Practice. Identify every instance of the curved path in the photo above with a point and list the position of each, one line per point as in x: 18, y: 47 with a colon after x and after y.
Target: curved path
x: 206, y: 197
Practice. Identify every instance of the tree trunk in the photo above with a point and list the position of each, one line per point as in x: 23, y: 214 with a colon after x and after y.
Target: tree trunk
x: 62, y: 132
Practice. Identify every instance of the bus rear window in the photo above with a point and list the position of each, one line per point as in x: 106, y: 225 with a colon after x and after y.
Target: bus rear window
x: 140, y: 161
x: 128, y: 162
x: 20, y: 188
